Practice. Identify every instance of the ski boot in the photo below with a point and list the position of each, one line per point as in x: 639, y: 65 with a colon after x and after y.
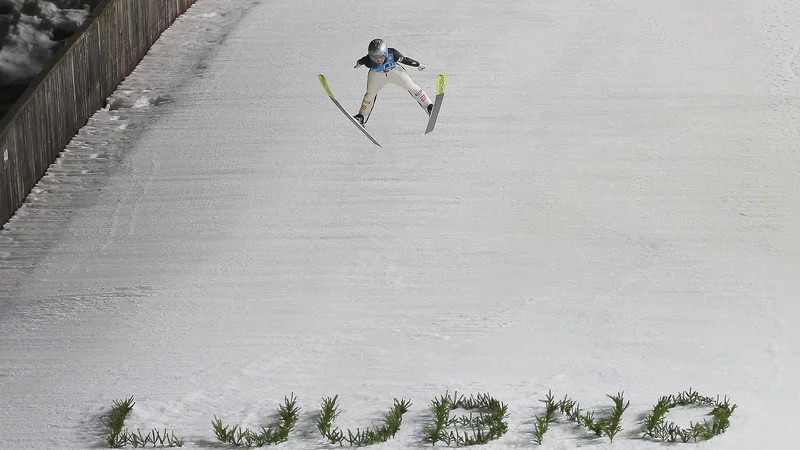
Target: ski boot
x: 359, y: 118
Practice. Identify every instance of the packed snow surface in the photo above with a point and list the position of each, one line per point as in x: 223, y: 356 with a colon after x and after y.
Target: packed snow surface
x: 610, y: 203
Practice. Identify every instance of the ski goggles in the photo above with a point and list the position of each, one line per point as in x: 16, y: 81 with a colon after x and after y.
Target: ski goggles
x: 378, y: 58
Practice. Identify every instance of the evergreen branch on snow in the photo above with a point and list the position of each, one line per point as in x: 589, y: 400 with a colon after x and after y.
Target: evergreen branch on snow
x: 244, y: 437
x: 657, y: 427
x: 369, y: 436
x: 470, y: 429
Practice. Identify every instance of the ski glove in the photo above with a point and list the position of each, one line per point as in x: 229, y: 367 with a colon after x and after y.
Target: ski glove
x: 422, y: 66
x: 358, y: 64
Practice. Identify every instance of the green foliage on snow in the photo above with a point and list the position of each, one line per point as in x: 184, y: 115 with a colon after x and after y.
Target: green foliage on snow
x: 154, y: 438
x: 288, y: 412
x: 470, y: 429
x: 657, y: 427
x: 377, y: 434
x: 543, y: 423
x: 608, y: 425
x: 119, y: 437
x: 115, y: 422
x: 485, y: 420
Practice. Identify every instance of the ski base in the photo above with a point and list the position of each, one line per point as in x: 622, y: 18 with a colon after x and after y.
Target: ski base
x: 324, y: 82
x: 441, y: 83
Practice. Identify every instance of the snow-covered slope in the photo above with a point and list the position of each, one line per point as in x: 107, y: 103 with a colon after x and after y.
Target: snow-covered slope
x: 609, y: 203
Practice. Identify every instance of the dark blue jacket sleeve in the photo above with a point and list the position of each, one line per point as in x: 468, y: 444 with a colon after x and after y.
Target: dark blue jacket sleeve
x: 365, y: 61
x: 404, y: 59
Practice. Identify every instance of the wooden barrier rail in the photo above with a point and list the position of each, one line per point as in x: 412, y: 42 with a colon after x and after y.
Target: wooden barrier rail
x: 92, y: 63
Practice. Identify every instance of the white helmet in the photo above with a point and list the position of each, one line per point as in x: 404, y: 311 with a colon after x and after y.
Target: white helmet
x: 377, y: 50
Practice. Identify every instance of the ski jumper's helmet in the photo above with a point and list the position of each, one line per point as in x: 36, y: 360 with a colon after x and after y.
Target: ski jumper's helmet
x: 377, y: 50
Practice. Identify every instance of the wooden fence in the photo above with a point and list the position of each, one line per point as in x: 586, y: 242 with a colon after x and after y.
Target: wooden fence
x: 92, y: 63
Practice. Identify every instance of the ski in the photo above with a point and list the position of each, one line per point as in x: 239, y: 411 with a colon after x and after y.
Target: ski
x: 441, y: 82
x: 324, y: 82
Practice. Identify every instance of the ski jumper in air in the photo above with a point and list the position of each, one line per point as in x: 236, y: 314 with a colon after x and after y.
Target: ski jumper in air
x: 384, y: 68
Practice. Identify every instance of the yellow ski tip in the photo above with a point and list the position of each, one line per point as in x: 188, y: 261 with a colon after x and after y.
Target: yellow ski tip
x: 441, y: 83
x: 324, y: 82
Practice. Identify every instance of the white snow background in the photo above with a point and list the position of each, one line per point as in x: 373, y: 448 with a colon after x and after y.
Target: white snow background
x: 609, y: 203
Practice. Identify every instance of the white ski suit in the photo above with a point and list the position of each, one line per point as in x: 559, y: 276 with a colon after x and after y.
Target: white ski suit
x: 389, y: 72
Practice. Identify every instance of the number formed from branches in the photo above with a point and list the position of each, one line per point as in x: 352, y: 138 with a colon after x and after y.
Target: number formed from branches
x: 485, y: 421
x: 657, y: 427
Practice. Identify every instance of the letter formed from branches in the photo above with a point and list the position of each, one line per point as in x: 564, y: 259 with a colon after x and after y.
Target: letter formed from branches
x: 608, y: 425
x: 368, y: 436
x: 288, y: 413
